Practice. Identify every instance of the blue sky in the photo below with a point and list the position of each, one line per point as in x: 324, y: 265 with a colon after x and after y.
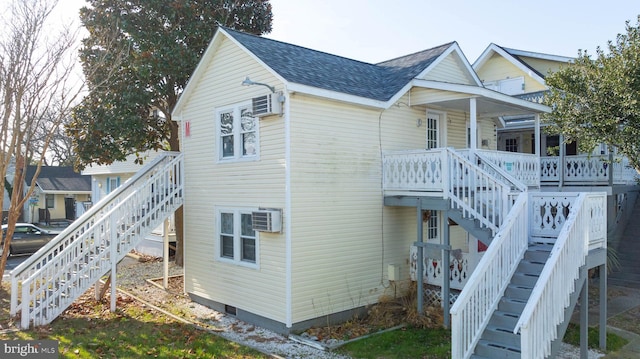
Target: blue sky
x: 378, y: 30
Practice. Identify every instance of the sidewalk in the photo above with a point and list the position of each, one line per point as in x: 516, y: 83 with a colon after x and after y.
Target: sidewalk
x: 623, y: 308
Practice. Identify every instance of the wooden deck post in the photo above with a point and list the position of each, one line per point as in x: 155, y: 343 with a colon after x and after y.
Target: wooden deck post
x: 420, y: 259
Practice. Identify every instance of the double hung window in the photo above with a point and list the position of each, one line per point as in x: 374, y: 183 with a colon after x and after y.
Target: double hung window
x: 237, y: 241
x: 237, y: 132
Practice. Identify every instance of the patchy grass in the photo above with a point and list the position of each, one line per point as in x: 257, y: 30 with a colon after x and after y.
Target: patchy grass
x: 408, y: 342
x: 614, y: 342
x: 89, y: 330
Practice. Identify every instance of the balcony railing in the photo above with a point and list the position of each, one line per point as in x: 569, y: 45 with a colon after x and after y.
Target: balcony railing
x: 587, y: 170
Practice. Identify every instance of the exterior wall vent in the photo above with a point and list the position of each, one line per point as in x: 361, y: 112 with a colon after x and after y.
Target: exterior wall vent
x: 266, y: 105
x: 267, y: 220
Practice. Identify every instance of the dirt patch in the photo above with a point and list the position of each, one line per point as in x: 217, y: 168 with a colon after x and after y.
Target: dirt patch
x: 387, y: 313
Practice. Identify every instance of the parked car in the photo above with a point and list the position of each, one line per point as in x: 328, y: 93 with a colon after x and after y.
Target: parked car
x: 27, y: 238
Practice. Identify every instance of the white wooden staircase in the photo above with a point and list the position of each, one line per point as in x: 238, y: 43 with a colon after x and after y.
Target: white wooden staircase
x: 43, y: 286
x: 515, y: 304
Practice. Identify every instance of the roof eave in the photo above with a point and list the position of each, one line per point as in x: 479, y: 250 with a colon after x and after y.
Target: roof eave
x: 482, y: 92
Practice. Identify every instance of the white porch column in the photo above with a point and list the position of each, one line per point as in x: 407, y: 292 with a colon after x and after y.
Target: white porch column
x: 537, y: 135
x: 473, y: 126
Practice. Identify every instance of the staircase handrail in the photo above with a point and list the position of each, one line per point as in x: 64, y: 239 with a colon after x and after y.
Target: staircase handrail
x: 472, y: 310
x: 95, y: 209
x: 556, y: 282
x: 464, y: 175
x: 89, y: 220
x: 497, y: 171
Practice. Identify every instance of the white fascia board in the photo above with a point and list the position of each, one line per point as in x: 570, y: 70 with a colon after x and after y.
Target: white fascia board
x: 483, y: 92
x: 338, y: 96
x: 453, y: 48
x: 203, y: 64
x: 65, y: 192
x: 498, y: 50
x: 539, y: 55
x: 486, y: 55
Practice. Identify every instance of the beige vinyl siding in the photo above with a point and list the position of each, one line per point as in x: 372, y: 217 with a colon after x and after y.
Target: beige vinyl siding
x: 336, y: 207
x: 457, y: 129
x: 398, y: 125
x: 498, y: 68
x: 543, y: 66
x: 451, y: 69
x: 426, y: 96
x: 248, y: 184
x: 487, y: 129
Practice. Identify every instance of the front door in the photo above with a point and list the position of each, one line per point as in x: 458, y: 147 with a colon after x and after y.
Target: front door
x: 433, y: 130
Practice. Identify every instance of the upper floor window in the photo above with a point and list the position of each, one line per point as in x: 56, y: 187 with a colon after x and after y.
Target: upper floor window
x: 237, y: 132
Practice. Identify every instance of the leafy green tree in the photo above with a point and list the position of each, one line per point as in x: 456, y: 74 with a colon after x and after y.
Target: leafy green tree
x: 152, y: 47
x: 597, y: 100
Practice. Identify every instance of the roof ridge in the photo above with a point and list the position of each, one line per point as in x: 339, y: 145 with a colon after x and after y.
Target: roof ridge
x: 298, y: 46
x: 446, y: 45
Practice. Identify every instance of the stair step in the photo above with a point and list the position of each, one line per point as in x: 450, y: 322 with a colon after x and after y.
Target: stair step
x: 504, y: 320
x: 516, y: 291
x: 529, y: 267
x: 511, y: 305
x: 495, y: 351
x: 501, y: 336
x: 524, y: 279
x: 536, y: 256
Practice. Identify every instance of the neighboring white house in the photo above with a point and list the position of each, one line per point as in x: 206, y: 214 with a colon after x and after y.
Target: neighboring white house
x: 106, y: 178
x: 281, y: 135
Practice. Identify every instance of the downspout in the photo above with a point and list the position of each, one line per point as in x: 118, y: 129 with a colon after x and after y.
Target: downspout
x: 185, y: 259
x: 287, y: 211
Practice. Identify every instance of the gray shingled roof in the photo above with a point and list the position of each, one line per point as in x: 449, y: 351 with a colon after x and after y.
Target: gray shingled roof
x: 304, y: 66
x: 509, y: 51
x: 59, y: 178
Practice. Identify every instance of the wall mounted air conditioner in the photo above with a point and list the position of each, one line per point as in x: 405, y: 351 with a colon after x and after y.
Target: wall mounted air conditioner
x: 267, y: 220
x: 267, y: 105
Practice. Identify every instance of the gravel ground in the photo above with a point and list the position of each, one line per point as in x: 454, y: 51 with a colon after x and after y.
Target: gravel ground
x: 132, y: 278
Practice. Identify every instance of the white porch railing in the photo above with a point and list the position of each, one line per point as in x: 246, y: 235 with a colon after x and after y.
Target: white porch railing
x: 472, y: 311
x: 522, y: 166
x: 587, y: 170
x: 461, y: 264
x: 444, y: 172
x: 584, y: 229
x: 66, y: 267
x: 414, y: 170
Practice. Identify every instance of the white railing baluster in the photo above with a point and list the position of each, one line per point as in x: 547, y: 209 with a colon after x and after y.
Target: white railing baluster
x: 583, y: 229
x: 68, y: 265
x: 473, y: 308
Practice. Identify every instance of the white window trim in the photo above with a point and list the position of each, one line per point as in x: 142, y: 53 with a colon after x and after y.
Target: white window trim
x: 237, y: 134
x: 237, y: 243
